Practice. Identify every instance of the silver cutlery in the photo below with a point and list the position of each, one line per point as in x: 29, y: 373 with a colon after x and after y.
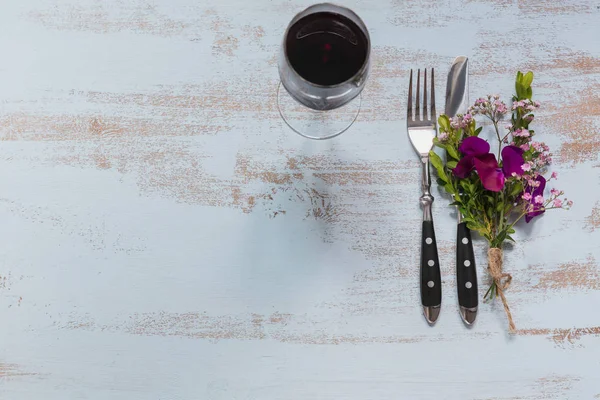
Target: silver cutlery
x: 422, y: 129
x: 457, y: 102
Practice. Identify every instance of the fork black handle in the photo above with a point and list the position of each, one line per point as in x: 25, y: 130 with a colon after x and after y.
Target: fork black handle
x: 431, y: 280
x: 466, y: 273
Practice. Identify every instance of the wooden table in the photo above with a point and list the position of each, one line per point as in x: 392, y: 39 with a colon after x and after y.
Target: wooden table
x: 166, y: 236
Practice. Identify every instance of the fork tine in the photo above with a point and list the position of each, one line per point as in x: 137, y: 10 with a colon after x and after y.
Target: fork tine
x: 417, y: 104
x: 425, y: 117
x: 409, y: 110
x: 433, y: 114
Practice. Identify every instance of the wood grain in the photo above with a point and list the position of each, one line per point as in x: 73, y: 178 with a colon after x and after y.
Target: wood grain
x: 166, y: 236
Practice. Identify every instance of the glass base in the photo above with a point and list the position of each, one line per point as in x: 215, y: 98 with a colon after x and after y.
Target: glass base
x: 314, y: 124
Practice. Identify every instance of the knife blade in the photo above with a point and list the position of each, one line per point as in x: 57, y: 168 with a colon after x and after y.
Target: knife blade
x: 457, y: 102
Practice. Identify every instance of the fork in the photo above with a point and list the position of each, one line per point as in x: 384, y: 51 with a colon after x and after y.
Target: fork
x: 422, y: 129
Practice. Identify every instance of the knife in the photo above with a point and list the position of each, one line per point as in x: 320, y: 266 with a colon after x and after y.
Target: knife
x: 457, y: 102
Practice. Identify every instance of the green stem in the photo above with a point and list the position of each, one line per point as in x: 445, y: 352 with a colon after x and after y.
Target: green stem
x: 499, y: 140
x: 517, y: 220
x: 501, y: 221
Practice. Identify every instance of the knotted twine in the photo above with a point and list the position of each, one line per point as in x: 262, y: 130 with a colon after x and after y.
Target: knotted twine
x: 502, y: 281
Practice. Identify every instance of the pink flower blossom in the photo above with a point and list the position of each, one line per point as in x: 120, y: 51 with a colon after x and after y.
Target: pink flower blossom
x: 537, y: 104
x: 554, y: 175
x: 442, y: 137
x: 555, y: 192
x: 570, y: 203
x: 558, y: 203
x: 539, y: 199
x: 526, y: 167
x: 525, y: 147
x: 500, y: 107
x: 527, y: 196
x: 522, y: 133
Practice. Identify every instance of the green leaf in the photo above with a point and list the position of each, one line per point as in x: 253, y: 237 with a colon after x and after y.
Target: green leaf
x: 438, y: 164
x: 516, y: 189
x: 452, y: 152
x: 527, y: 79
x: 451, y: 164
x: 440, y: 181
x: 444, y: 123
x: 510, y: 238
x: 501, y: 236
x: 472, y: 226
x: 521, y: 90
x: 449, y: 188
x: 478, y: 130
x: 511, y: 230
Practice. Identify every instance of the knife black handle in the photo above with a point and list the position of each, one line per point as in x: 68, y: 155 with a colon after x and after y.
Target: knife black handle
x: 431, y: 281
x: 466, y: 273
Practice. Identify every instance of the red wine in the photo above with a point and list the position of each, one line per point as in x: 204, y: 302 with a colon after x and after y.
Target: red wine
x: 326, y: 48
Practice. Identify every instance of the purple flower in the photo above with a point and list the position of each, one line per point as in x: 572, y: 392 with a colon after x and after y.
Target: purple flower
x: 477, y: 156
x: 491, y: 176
x: 512, y: 160
x: 474, y: 146
x: 471, y: 147
x: 536, y: 188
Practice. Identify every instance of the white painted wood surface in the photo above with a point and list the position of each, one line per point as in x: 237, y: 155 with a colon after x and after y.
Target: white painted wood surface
x: 166, y: 236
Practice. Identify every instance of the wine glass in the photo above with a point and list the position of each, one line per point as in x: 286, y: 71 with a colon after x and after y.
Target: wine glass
x: 323, y: 66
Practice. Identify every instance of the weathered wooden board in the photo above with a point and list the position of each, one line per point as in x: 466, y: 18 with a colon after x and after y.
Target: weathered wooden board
x: 166, y: 236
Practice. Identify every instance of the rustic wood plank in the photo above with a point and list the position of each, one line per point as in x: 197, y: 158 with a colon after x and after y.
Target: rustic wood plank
x: 166, y: 236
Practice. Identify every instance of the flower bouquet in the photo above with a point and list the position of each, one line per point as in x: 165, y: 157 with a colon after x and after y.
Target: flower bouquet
x: 494, y: 188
